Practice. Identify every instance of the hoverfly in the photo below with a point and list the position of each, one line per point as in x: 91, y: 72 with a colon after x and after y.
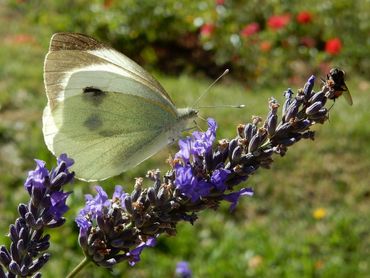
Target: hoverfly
x: 337, y: 86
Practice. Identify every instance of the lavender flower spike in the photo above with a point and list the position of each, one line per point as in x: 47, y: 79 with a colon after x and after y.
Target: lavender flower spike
x: 26, y: 255
x: 203, y: 173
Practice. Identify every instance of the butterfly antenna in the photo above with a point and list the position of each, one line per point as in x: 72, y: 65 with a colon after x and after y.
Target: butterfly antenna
x: 223, y: 106
x: 209, y: 87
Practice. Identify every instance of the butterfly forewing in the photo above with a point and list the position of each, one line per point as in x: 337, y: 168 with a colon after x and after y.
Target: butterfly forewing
x: 104, y: 110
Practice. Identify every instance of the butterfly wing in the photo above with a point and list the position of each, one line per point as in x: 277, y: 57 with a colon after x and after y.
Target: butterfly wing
x: 104, y: 110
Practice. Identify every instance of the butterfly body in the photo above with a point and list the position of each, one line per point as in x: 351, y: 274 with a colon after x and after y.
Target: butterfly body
x: 104, y: 110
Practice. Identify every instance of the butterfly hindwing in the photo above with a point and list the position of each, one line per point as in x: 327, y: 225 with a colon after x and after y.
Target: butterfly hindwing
x: 105, y: 140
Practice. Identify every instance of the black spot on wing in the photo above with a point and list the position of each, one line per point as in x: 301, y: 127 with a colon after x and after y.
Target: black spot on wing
x: 93, y: 95
x: 93, y: 122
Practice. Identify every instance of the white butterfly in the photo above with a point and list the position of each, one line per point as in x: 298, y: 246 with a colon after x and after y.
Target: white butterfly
x: 104, y: 110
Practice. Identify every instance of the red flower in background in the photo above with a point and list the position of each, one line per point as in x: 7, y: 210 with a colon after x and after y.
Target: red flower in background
x: 304, y: 17
x: 333, y: 46
x: 207, y: 29
x: 250, y: 29
x: 265, y: 46
x: 220, y: 2
x: 278, y: 21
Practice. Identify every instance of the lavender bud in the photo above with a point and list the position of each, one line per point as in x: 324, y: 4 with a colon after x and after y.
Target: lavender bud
x: 247, y: 159
x: 314, y: 108
x: 321, y: 114
x: 301, y: 125
x: 47, y: 217
x: 152, y: 196
x: 288, y: 100
x: 137, y: 189
x: 14, y: 268
x: 257, y: 140
x: 59, y: 180
x: 308, y: 135
x: 151, y: 230
x: 43, y: 246
x: 33, y: 209
x: 240, y: 130
x: 24, y: 270
x: 5, y: 258
x: 128, y: 205
x: 208, y: 159
x: 254, y: 143
x: 221, y: 154
x: 288, y: 141
x: 117, y: 243
x: 27, y: 260
x: 39, y: 223
x: 5, y: 255
x: 307, y: 89
x: 319, y: 96
x: 20, y: 246
x: 40, y: 263
x: 232, y: 145
x: 292, y: 111
x: 24, y: 233
x: 22, y: 210
x: 219, y: 157
x: 37, y: 196
x: 61, y: 167
x: 13, y: 234
x: 236, y: 154
x: 101, y: 223
x: 163, y: 195
x: 256, y: 120
x: 45, y: 238
x: 271, y: 125
x: 14, y: 252
x: 157, y: 183
x: 248, y: 131
x: 30, y: 219
x: 283, y: 129
x: 108, y: 263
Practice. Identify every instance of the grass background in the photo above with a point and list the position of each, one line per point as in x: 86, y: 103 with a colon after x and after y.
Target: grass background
x: 273, y: 234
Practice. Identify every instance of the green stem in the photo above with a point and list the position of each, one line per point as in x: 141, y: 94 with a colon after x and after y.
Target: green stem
x: 77, y: 269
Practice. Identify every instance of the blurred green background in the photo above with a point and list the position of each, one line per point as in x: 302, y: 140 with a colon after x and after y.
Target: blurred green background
x: 310, y: 213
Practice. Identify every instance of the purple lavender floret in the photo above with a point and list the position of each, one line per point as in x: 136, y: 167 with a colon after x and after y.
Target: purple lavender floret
x: 233, y: 197
x: 45, y: 209
x: 183, y: 270
x: 134, y: 254
x: 192, y: 177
